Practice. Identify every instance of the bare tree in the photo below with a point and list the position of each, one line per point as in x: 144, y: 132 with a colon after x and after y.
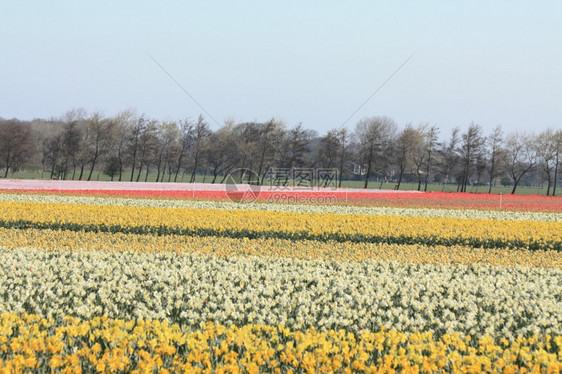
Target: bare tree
x: 449, y: 156
x: 123, y: 138
x: 246, y: 135
x: 333, y: 150
x: 100, y: 130
x: 70, y: 148
x: 431, y: 144
x: 495, y: 152
x: 269, y: 142
x: 200, y: 135
x: 147, y: 146
x: 52, y: 149
x: 185, y: 143
x: 373, y: 135
x: 419, y: 152
x: 296, y: 145
x: 111, y: 168
x: 41, y: 132
x: 222, y: 153
x: 367, y: 134
x: 73, y: 142
x: 167, y: 135
x: 260, y: 146
x: 134, y: 134
x: 480, y: 166
x: 558, y: 141
x: 470, y: 150
x: 406, y: 144
x: 326, y: 155
x: 77, y: 144
x: 343, y: 151
x: 386, y: 161
x: 15, y: 144
x: 521, y: 157
x: 546, y: 152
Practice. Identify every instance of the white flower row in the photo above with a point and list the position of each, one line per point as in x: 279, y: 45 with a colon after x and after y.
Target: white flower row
x: 190, y: 289
x: 299, y: 208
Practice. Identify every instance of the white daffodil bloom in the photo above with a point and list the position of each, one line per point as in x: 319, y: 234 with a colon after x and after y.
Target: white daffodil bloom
x: 190, y: 289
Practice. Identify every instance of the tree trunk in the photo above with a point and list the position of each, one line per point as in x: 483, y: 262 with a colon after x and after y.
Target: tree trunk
x: 53, y: 169
x: 341, y: 172
x: 135, y: 154
x: 93, y: 166
x: 261, y: 177
x: 427, y: 171
x: 491, y: 175
x: 196, y: 161
x: 369, y: 165
x: 400, y: 178
x: 140, y: 165
x: 120, y: 169
x: 555, y: 175
x: 178, y: 168
x: 7, y: 164
x: 514, y: 188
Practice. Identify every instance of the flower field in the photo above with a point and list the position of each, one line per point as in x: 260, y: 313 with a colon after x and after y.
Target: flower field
x: 276, y: 194
x: 109, y: 283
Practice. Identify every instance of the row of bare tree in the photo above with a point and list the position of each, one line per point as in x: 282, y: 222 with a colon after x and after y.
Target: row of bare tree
x: 78, y: 144
x: 464, y: 158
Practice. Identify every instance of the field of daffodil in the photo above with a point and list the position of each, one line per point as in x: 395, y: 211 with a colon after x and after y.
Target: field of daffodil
x: 125, y: 284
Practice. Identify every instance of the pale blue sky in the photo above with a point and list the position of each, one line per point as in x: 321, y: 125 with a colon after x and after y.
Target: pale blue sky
x: 315, y: 62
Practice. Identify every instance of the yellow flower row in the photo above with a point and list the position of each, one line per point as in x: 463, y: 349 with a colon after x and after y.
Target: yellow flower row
x: 107, y: 345
x: 312, y: 225
x: 304, y: 249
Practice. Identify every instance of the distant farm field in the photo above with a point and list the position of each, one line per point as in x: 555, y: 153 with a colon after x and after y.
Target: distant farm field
x: 114, y: 277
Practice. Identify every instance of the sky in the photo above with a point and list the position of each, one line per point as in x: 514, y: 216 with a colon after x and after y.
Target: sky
x: 309, y: 62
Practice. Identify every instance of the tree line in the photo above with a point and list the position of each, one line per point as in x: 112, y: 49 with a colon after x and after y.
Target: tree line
x: 377, y: 150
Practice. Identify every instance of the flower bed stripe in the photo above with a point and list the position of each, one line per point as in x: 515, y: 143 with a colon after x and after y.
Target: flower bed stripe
x: 189, y: 289
x: 302, y: 249
x: 294, y: 235
x: 287, y: 225
x: 297, y: 208
x: 341, y: 196
x: 28, y: 342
